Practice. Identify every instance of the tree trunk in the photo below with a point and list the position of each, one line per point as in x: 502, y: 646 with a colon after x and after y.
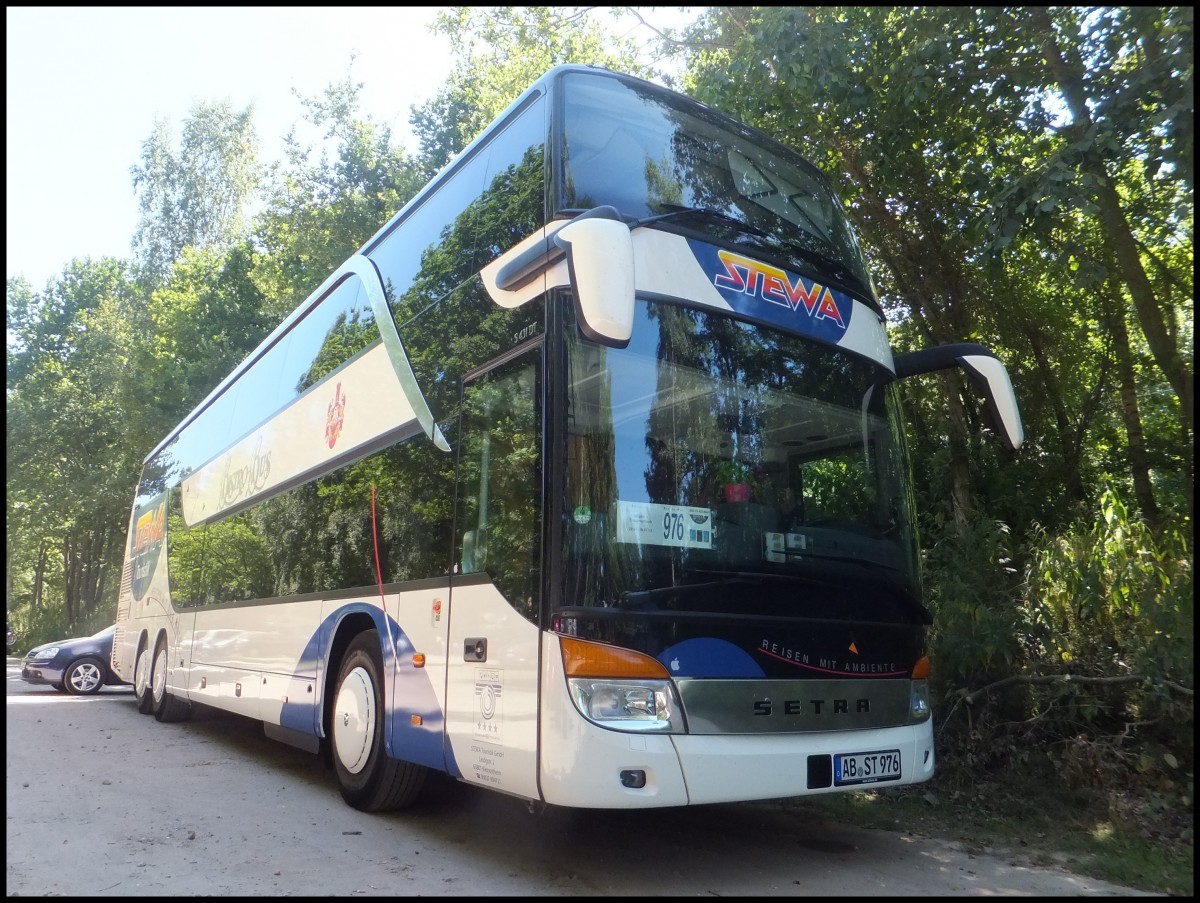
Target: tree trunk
x: 70, y: 580
x: 1068, y: 435
x: 1138, y: 460
x: 39, y: 577
x: 1116, y: 227
x: 961, y: 502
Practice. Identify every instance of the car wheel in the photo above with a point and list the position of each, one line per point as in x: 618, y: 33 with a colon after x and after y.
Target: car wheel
x: 164, y: 704
x: 141, y: 681
x: 84, y: 677
x: 369, y: 779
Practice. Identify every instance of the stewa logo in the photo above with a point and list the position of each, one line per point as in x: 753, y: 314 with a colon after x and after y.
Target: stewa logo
x: 335, y: 416
x: 775, y: 286
x: 149, y: 530
x: 773, y: 295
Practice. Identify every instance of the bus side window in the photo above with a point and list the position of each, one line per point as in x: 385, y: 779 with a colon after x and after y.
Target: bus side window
x: 499, y: 476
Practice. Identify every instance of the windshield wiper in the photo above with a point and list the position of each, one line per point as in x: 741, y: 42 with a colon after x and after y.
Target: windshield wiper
x: 635, y: 597
x: 680, y: 212
x: 884, y: 571
x: 753, y: 578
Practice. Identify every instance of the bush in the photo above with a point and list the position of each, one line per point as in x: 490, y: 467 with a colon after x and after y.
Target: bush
x: 1084, y: 671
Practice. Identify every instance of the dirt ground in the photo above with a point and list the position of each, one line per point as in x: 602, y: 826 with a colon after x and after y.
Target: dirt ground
x: 102, y: 801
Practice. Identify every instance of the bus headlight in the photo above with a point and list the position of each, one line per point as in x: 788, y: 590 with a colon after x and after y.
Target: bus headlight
x: 628, y: 705
x: 919, y: 709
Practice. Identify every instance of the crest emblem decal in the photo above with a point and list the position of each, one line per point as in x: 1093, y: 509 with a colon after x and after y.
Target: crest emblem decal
x: 335, y: 416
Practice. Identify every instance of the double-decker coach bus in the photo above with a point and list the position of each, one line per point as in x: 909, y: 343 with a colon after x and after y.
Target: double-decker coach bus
x: 583, y: 481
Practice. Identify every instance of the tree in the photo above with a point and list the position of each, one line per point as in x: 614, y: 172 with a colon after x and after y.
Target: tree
x: 320, y: 208
x: 1155, y: 62
x: 966, y: 208
x: 202, y: 321
x: 72, y: 455
x: 499, y: 52
x: 198, y: 196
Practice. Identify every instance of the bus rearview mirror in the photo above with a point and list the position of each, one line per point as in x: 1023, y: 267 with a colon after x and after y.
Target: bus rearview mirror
x: 985, y: 369
x: 600, y: 263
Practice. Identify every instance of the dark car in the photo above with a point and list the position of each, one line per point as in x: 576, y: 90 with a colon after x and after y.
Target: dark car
x: 79, y: 666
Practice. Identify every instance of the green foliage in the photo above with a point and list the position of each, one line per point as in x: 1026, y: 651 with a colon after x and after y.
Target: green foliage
x: 730, y: 470
x: 1083, y: 671
x: 1113, y: 600
x: 197, y: 196
x: 70, y: 397
x: 204, y: 319
x: 322, y: 206
x: 972, y: 586
x: 499, y: 51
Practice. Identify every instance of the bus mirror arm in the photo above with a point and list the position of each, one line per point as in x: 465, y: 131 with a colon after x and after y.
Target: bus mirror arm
x: 987, y: 372
x: 546, y: 252
x: 529, y: 263
x: 598, y: 248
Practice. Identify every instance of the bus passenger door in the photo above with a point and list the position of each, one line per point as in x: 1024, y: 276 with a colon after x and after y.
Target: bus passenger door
x: 492, y: 657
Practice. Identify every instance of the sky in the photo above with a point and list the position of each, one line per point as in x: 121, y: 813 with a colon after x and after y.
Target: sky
x: 85, y: 87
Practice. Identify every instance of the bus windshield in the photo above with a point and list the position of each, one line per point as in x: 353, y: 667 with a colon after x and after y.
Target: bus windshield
x: 715, y: 453
x: 653, y: 154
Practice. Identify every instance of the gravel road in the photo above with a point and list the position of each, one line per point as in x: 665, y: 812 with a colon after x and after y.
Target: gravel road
x: 102, y: 801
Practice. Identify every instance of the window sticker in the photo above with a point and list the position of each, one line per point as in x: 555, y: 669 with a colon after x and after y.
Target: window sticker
x: 677, y: 526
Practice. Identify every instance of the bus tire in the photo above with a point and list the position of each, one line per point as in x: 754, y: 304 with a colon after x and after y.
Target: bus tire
x: 165, y: 705
x: 141, y: 681
x: 369, y: 779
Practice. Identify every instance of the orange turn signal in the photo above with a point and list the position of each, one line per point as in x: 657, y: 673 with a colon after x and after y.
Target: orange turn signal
x: 585, y: 659
x: 921, y: 669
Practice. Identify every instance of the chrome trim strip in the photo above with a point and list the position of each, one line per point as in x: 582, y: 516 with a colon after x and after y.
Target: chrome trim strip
x: 367, y: 272
x: 792, y: 706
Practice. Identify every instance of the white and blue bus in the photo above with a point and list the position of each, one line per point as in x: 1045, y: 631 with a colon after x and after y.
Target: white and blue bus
x: 583, y: 481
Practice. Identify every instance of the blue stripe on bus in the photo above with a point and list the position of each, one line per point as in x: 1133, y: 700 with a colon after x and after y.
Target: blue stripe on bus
x: 414, y: 695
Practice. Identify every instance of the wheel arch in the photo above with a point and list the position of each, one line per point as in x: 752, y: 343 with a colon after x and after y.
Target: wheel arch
x: 142, y: 643
x: 347, y: 629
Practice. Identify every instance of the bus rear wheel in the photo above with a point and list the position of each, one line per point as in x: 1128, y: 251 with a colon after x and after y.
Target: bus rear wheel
x: 141, y: 681
x: 369, y: 779
x: 165, y: 705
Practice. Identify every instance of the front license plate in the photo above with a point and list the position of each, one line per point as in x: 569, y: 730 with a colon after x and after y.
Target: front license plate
x: 866, y: 768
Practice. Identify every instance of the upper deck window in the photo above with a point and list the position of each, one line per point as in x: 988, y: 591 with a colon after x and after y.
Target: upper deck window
x: 649, y: 152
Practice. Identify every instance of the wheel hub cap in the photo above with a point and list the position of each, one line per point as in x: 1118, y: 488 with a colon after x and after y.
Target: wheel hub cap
x: 354, y: 721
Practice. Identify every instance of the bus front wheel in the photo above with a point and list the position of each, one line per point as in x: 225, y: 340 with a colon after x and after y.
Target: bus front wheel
x: 369, y: 779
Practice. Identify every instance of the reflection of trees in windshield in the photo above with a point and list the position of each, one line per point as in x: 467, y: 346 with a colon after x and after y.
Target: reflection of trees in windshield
x: 782, y: 441
x: 226, y: 561
x: 352, y: 331
x: 838, y: 488
x: 640, y: 152
x: 322, y: 535
x: 447, y: 322
x: 500, y: 459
